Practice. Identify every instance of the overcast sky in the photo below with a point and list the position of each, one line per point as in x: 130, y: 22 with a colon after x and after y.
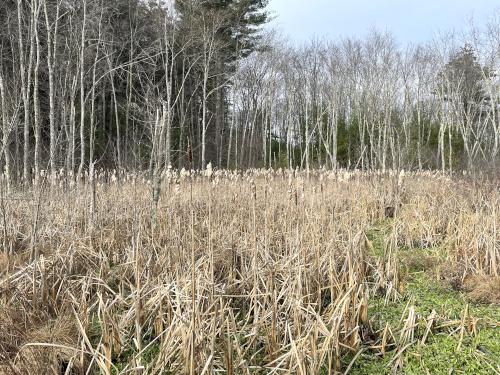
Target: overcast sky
x: 408, y: 20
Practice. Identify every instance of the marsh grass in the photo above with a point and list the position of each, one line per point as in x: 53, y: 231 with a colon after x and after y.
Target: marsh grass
x: 243, y: 273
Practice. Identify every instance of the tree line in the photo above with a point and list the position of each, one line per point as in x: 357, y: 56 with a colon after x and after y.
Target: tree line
x: 371, y: 104
x: 127, y: 84
x: 134, y: 84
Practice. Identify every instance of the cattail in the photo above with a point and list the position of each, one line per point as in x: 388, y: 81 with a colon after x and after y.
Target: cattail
x: 189, y: 153
x: 277, y: 282
x: 209, y: 171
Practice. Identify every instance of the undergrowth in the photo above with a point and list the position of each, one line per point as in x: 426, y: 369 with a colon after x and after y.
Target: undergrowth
x: 446, y: 350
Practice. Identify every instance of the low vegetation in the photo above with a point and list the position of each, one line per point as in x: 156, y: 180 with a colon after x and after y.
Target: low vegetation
x: 256, y: 272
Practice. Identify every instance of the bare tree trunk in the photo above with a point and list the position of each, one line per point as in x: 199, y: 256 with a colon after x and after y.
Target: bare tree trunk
x: 231, y: 129
x: 72, y: 126
x: 168, y: 136
x: 5, y: 132
x: 92, y: 137
x: 167, y: 105
x: 236, y: 159
x: 82, y: 94
x: 419, y: 135
x: 441, y: 155
x: 117, y: 118
x: 129, y: 96
x: 51, y: 63
x: 289, y: 151
x: 36, y: 96
x: 25, y: 86
x: 204, y: 124
x: 334, y: 139
x: 308, y: 141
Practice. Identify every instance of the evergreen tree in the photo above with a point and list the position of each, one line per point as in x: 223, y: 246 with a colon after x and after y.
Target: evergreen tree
x: 462, y: 78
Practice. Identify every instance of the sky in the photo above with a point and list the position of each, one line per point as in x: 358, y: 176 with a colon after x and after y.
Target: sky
x: 412, y: 21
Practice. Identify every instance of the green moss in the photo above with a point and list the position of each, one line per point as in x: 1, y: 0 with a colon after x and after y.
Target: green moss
x: 369, y: 364
x: 376, y: 235
x: 440, y: 355
x: 442, y: 352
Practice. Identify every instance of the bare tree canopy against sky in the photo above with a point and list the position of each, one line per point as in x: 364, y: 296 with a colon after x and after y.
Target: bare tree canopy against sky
x: 410, y: 20
x: 142, y: 85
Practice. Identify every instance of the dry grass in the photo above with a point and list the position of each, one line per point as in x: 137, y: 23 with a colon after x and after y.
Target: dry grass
x: 459, y: 216
x: 255, y: 272
x: 483, y: 289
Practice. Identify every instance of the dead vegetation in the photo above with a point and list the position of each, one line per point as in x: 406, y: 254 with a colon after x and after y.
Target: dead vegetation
x: 254, y: 272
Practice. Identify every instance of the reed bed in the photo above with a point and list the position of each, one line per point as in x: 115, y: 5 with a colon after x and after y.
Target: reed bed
x: 227, y: 272
x: 459, y: 216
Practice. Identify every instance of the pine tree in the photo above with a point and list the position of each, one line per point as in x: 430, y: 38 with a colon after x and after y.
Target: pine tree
x: 236, y: 26
x: 463, y: 75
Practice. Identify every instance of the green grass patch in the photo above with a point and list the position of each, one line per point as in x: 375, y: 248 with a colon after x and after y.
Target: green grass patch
x: 443, y: 352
